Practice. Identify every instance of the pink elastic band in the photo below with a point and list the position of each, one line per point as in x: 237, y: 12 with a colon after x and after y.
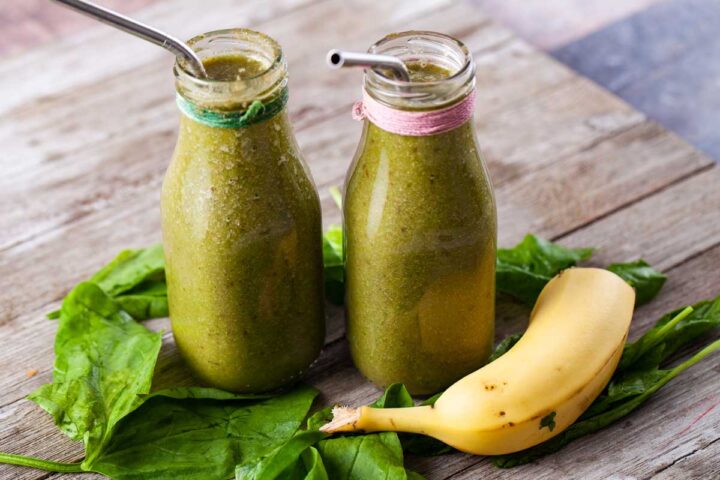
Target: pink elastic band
x: 415, y: 124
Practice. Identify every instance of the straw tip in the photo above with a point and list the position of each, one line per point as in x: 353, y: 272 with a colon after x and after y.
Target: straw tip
x: 334, y: 58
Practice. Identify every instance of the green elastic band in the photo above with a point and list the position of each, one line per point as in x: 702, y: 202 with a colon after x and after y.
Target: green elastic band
x: 257, y: 112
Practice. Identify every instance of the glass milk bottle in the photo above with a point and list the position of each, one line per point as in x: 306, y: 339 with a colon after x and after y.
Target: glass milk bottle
x: 241, y: 222
x: 420, y: 221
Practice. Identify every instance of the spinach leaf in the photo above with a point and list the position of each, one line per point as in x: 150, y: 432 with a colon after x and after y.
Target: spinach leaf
x: 204, y: 393
x: 336, y: 195
x: 646, y: 281
x: 350, y: 456
x: 671, y: 332
x: 523, y: 271
x: 375, y: 455
x: 394, y: 396
x: 40, y: 463
x: 176, y: 438
x: 128, y: 271
x: 597, y: 422
x: 360, y: 457
x: 136, y: 278
x: 313, y: 466
x: 103, y: 360
x: 147, y: 300
x: 334, y: 264
x: 638, y: 375
x: 104, y: 366
x: 506, y: 344
x: 285, y: 461
x: 639, y: 366
x: 309, y: 467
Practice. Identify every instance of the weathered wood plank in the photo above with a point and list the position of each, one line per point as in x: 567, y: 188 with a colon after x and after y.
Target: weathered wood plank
x: 124, y: 131
x: 30, y: 23
x: 679, y: 236
x: 552, y: 23
x: 593, y: 161
x: 82, y: 59
x: 644, y: 46
x: 663, y: 228
x: 702, y: 463
x: 594, y: 182
x: 662, y: 61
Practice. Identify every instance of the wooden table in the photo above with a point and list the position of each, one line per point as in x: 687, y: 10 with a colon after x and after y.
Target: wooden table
x: 88, y: 123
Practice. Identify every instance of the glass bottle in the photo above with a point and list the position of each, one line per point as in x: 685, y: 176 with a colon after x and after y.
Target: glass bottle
x: 241, y: 222
x: 420, y: 228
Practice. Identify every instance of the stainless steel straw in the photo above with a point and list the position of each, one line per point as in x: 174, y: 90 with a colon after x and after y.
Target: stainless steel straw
x: 168, y: 42
x: 340, y: 58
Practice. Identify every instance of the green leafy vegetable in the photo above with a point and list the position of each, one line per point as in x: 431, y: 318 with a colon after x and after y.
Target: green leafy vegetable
x: 506, y: 344
x: 139, y: 277
x: 204, y: 393
x: 103, y: 360
x: 136, y: 278
x: 100, y: 394
x: 360, y: 457
x: 336, y: 196
x: 646, y: 281
x: 40, y: 464
x: 334, y: 264
x: 285, y: 461
x: 671, y: 332
x: 147, y: 300
x: 129, y: 269
x: 343, y: 457
x: 638, y: 375
x: 523, y: 271
x: 394, y: 396
x: 171, y: 438
x: 375, y: 455
x: 312, y: 467
x: 600, y: 421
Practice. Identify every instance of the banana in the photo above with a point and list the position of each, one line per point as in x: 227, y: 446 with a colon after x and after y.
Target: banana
x: 564, y: 360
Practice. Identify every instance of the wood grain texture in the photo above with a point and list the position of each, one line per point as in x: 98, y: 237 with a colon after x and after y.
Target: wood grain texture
x: 702, y: 463
x: 83, y: 159
x: 28, y: 23
x: 552, y: 23
x: 662, y: 61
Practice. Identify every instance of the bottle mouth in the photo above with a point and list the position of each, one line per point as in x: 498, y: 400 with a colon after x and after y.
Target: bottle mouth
x: 422, y: 47
x: 266, y: 80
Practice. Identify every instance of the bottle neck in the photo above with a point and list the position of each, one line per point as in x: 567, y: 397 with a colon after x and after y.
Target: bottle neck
x: 442, y: 72
x: 247, y: 81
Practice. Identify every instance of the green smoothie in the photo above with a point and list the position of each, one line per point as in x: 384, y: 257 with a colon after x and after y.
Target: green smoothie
x: 420, y: 224
x: 242, y: 236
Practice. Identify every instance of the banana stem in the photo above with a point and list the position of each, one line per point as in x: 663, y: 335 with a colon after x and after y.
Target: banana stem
x: 369, y: 419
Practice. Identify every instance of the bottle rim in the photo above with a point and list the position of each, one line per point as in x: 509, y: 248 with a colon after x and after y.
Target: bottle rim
x: 417, y: 46
x: 236, y: 94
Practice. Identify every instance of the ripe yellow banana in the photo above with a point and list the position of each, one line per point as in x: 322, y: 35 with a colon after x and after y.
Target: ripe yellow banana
x: 570, y: 350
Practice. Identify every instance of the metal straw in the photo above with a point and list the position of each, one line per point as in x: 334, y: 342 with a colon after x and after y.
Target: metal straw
x: 177, y: 47
x: 340, y: 58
